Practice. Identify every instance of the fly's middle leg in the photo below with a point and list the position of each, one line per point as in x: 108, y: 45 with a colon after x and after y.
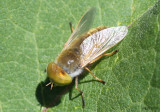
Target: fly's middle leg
x: 103, y: 82
x: 76, y: 86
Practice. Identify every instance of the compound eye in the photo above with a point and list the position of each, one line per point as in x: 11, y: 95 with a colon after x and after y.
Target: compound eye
x: 57, y: 75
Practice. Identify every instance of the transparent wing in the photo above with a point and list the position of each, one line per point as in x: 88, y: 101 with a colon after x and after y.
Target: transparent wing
x: 100, y: 42
x: 83, y: 26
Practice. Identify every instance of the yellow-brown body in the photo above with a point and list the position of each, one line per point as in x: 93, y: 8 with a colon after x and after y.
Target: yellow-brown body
x: 69, y: 59
x: 83, y: 47
x: 68, y: 62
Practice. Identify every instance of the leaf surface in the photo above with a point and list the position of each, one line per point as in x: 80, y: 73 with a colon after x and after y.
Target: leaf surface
x: 32, y: 33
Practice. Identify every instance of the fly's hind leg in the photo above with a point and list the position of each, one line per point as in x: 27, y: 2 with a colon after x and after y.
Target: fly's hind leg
x: 76, y: 87
x: 103, y: 82
x: 107, y: 54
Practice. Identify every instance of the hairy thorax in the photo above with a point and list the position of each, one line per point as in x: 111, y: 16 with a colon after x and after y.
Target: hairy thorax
x: 69, y: 60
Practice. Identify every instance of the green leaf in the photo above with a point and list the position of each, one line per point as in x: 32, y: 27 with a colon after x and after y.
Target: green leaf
x: 32, y: 34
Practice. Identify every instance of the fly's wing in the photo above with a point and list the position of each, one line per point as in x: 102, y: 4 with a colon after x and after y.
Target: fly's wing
x: 100, y: 42
x: 83, y: 26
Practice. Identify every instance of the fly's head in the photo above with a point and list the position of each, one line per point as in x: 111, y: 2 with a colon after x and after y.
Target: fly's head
x: 57, y: 75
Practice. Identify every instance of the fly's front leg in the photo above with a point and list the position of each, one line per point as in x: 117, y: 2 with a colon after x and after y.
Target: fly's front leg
x: 107, y: 54
x: 76, y: 86
x: 103, y: 82
x: 50, y: 83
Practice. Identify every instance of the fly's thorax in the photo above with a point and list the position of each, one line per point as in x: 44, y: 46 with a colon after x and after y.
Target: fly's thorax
x: 69, y: 60
x: 57, y: 75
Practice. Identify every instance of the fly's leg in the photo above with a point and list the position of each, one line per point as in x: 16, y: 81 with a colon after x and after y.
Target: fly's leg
x: 76, y: 86
x: 70, y: 24
x: 71, y: 27
x: 103, y: 82
x: 96, y: 60
x: 107, y: 54
x: 50, y: 83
